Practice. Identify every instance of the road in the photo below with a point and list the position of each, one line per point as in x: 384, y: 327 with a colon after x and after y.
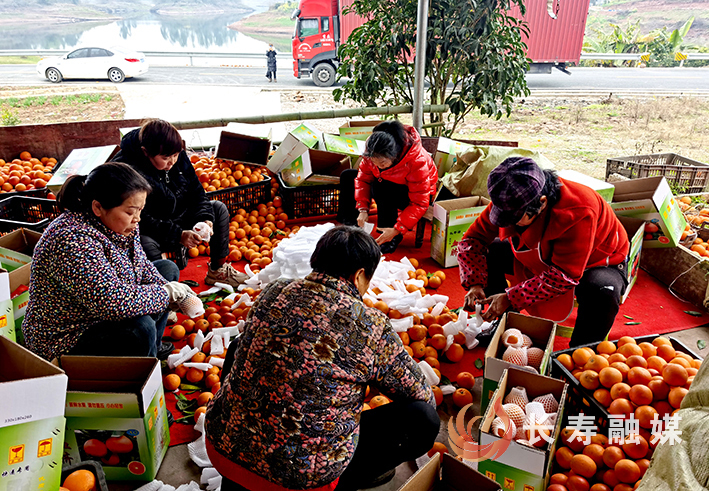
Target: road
x: 596, y: 80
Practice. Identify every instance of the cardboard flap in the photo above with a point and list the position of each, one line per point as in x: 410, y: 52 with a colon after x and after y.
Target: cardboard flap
x: 462, y: 203
x: 460, y: 477
x: 21, y: 240
x: 19, y: 277
x: 426, y: 478
x: 328, y: 163
x: 243, y: 148
x: 636, y: 189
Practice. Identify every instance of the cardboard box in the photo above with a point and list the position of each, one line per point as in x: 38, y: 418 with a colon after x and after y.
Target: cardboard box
x: 650, y: 199
x: 314, y: 167
x: 451, y: 219
x: 359, y: 129
x: 605, y: 189
x: 522, y: 467
x: 117, y: 397
x: 448, y: 473
x: 446, y: 154
x: 635, y: 229
x: 16, y: 248
x: 32, y: 396
x: 7, y: 320
x: 81, y: 161
x: 294, y: 149
x: 542, y: 332
x: 344, y: 145
x: 249, y: 149
x: 20, y: 278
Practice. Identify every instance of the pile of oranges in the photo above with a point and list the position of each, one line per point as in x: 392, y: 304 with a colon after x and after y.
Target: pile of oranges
x: 216, y: 174
x: 25, y: 173
x: 254, y: 234
x: 627, y: 378
x: 700, y: 246
x: 218, y: 315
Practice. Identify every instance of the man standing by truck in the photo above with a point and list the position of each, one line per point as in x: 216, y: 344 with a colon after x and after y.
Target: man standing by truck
x: 271, y: 64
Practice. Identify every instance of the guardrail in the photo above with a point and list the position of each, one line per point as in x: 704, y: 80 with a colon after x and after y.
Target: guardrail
x: 155, y: 54
x: 615, y: 56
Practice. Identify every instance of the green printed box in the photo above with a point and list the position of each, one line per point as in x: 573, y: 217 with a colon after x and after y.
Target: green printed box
x: 20, y: 297
x: 447, y: 154
x: 347, y: 146
x: 635, y: 229
x: 359, y: 129
x: 115, y: 410
x: 315, y: 167
x: 605, y: 189
x: 80, y: 162
x: 520, y: 467
x: 7, y: 319
x: 451, y: 219
x: 541, y: 331
x: 650, y: 199
x: 32, y: 395
x: 16, y: 248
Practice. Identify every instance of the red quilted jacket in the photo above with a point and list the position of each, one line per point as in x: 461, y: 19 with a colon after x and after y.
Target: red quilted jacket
x: 416, y: 170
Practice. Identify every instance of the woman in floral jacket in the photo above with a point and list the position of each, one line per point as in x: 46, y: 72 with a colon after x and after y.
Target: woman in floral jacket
x: 289, y: 413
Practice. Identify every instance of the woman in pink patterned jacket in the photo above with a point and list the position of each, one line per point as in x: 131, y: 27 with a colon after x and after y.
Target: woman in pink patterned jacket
x: 289, y: 413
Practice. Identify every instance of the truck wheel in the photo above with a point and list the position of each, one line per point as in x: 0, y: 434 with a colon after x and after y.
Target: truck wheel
x: 323, y: 75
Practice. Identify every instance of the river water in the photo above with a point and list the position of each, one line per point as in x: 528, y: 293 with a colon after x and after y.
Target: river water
x: 151, y: 32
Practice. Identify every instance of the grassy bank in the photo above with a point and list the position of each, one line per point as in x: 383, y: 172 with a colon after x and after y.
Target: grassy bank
x: 19, y: 60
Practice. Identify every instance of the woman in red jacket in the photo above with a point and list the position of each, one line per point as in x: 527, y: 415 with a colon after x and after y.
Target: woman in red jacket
x: 399, y: 174
x: 555, y: 240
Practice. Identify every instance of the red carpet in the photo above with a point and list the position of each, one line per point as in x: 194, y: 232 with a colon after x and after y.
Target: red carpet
x: 649, y: 303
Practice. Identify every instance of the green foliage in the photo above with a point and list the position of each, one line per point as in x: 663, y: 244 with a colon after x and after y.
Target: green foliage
x: 8, y: 118
x: 475, y: 57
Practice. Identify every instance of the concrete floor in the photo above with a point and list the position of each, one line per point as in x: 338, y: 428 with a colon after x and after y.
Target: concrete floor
x: 178, y: 468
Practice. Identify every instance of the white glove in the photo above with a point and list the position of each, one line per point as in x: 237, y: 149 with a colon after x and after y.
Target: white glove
x: 204, y: 231
x: 177, y: 291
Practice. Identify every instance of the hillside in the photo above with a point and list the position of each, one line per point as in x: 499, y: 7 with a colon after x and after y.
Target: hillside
x: 653, y: 14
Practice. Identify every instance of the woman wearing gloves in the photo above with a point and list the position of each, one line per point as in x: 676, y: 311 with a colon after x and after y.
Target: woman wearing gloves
x: 92, y: 290
x: 178, y: 201
x: 399, y: 174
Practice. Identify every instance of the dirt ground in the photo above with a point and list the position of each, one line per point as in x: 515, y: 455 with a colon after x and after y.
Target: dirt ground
x: 575, y: 133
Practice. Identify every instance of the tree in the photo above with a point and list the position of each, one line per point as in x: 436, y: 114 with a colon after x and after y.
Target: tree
x: 475, y: 57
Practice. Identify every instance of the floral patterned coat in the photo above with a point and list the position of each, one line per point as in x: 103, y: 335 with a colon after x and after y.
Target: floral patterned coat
x: 289, y: 409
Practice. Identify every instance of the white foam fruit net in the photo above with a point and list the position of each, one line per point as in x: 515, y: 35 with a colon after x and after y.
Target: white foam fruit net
x: 551, y: 405
x: 518, y: 395
x: 534, y: 357
x: 512, y: 337
x: 516, y: 356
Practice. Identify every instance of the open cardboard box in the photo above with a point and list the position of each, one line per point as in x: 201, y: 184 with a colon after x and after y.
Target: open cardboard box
x: 448, y: 474
x: 315, y: 167
x: 117, y: 397
x: 650, y: 199
x: 345, y: 145
x: 16, y: 248
x: 249, y: 149
x: 451, y: 219
x: 359, y: 129
x: 542, y: 332
x: 80, y: 162
x: 32, y: 396
x: 520, y: 466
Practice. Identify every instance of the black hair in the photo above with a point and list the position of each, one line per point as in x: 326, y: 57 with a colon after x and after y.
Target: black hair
x: 159, y: 137
x: 388, y: 140
x: 110, y: 184
x: 551, y: 189
x: 343, y: 250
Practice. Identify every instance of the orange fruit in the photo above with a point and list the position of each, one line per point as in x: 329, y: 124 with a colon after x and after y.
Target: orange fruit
x: 583, y: 465
x: 622, y: 368
x: 434, y: 282
x: 666, y: 352
x: 576, y: 445
x: 612, y: 455
x: 606, y: 347
x: 656, y: 363
x: 636, y: 361
x: 566, y: 360
x: 626, y: 340
x: 434, y: 329
x: 381, y: 305
x: 643, y: 464
x: 405, y: 339
x: 675, y: 375
x: 438, y: 447
x: 610, y: 376
x: 589, y: 379
x: 119, y: 444
x: 635, y: 446
x: 171, y: 382
x: 378, y: 400
x: 455, y: 352
x: 563, y: 457
x: 603, y: 396
x: 595, y: 451
x: 558, y: 478
x: 437, y: 394
x: 630, y: 349
x: 660, y: 340
x: 438, y: 341
x: 462, y: 397
x: 648, y: 349
x: 178, y: 332
x: 204, y: 398
x: 600, y: 439
x: 645, y: 415
x: 600, y: 487
x: 616, y: 357
x: 417, y: 333
x: 95, y: 448
x: 627, y: 471
x: 431, y: 360
x: 210, y: 380
x: 640, y: 395
x: 577, y: 483
x: 199, y: 357
x: 80, y: 480
x: 676, y: 396
x: 581, y: 356
x: 198, y: 411
x: 194, y: 375
x: 638, y: 375
x: 596, y: 363
x: 660, y: 389
x: 418, y: 349
x: 678, y: 360
x: 465, y: 380
x: 621, y: 406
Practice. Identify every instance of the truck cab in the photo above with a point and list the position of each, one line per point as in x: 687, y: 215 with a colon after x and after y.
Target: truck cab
x: 315, y: 40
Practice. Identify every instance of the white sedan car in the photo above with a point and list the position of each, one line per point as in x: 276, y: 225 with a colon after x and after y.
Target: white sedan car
x: 115, y: 64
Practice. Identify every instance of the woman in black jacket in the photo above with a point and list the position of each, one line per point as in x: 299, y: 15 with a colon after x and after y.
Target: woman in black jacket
x: 178, y: 201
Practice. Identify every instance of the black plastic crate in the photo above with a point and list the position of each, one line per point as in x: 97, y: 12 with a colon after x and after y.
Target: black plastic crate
x: 35, y: 193
x: 684, y: 175
x: 309, y: 201
x: 27, y: 212
x: 581, y: 399
x: 246, y: 196
x: 90, y: 465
